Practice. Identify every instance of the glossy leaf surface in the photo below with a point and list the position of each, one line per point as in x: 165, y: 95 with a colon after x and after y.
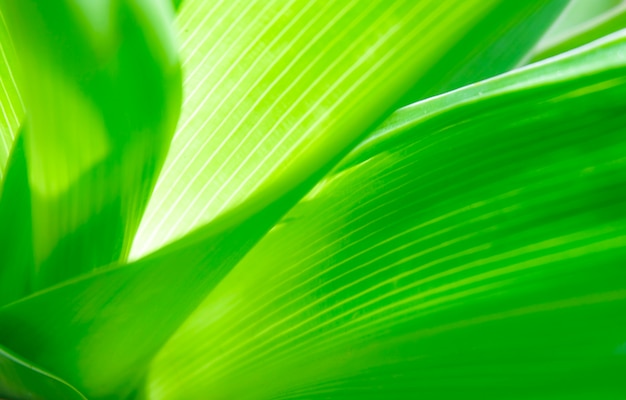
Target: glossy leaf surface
x: 100, y: 82
x: 474, y: 248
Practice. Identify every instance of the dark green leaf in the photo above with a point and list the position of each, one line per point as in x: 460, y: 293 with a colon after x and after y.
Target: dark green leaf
x: 100, y: 81
x: 24, y: 381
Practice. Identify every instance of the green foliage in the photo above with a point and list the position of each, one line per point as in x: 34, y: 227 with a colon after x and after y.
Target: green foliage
x: 310, y: 199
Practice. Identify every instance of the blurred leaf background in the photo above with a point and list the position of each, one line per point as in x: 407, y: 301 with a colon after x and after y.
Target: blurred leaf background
x: 289, y: 199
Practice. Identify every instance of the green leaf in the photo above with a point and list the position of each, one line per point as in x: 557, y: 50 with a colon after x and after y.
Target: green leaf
x: 275, y: 89
x: 474, y: 248
x: 578, y: 13
x: 11, y: 108
x: 611, y: 21
x: 132, y: 309
x: 494, y: 46
x: 100, y: 81
x: 127, y: 310
x: 20, y: 379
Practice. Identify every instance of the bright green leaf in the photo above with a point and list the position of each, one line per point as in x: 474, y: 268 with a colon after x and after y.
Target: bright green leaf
x: 466, y: 249
x: 578, y: 13
x: 275, y: 89
x: 473, y: 249
x: 132, y: 298
x: 100, y: 81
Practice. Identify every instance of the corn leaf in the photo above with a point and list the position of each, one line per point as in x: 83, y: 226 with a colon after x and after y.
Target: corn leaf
x: 474, y: 248
x: 100, y: 81
x: 275, y: 89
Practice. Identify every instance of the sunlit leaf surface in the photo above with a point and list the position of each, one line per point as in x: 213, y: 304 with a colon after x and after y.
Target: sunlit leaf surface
x: 130, y: 310
x: 133, y: 297
x: 475, y: 251
x: 274, y: 89
x: 16, y: 257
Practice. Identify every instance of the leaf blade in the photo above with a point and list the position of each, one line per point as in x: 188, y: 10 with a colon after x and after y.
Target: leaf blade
x: 609, y: 22
x: 100, y: 85
x: 19, y: 379
x: 464, y: 255
x: 300, y: 67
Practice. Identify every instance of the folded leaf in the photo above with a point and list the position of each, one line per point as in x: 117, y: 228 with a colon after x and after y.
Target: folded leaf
x: 21, y: 380
x: 474, y: 249
x: 100, y: 81
x: 275, y: 89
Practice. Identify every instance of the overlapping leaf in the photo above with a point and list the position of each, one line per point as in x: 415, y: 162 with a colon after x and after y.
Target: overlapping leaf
x: 461, y: 222
x: 579, y: 12
x: 101, y: 331
x: 474, y: 248
x: 100, y: 82
x: 78, y: 325
x: 274, y: 89
x: 16, y: 256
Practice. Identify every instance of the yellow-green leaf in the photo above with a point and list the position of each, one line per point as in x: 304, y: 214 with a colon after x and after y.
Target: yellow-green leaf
x: 275, y: 89
x: 474, y: 248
